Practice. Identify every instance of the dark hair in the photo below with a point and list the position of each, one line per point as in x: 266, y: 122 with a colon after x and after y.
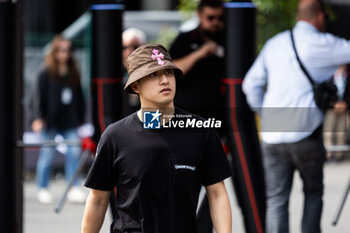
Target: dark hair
x: 52, y: 64
x: 209, y: 3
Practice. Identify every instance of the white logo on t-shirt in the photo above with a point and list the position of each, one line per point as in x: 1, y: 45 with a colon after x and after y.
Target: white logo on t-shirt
x: 188, y: 167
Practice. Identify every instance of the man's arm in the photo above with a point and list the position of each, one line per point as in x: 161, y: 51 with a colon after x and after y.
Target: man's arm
x: 220, y: 209
x: 254, y: 83
x: 95, y: 210
x: 187, y: 62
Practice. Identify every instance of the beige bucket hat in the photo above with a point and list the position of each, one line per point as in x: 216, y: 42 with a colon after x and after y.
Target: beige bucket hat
x: 147, y: 59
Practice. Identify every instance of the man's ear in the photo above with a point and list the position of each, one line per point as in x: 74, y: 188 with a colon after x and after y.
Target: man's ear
x: 135, y: 86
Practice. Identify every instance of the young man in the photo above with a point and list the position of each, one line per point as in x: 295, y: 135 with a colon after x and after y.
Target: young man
x: 158, y: 172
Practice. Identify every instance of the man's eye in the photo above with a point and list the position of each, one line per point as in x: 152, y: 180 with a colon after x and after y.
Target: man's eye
x: 153, y: 75
x: 168, y: 72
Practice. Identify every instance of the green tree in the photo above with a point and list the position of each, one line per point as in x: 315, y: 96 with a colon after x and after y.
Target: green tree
x: 274, y: 16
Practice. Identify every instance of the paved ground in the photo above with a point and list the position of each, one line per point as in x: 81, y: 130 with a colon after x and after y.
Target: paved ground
x: 42, y: 218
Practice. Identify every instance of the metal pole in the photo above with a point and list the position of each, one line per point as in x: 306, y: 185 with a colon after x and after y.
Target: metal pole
x: 342, y: 203
x: 106, y: 83
x: 248, y: 175
x: 80, y: 167
x: 107, y: 68
x: 11, y: 50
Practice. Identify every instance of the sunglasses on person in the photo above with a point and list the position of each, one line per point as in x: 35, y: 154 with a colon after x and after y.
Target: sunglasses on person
x: 212, y: 17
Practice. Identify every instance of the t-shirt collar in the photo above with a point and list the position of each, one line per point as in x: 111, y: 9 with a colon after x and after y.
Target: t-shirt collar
x: 303, y: 25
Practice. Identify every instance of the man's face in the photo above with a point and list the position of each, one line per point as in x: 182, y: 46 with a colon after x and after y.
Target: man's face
x: 211, y: 19
x: 129, y: 46
x: 157, y: 89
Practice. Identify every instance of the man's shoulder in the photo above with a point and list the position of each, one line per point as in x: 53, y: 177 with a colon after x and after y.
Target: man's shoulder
x: 187, y: 35
x: 120, y: 125
x: 278, y: 41
x: 281, y: 36
x: 192, y: 32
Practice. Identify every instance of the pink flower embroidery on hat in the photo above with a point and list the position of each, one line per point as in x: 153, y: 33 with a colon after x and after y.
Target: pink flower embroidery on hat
x: 158, y: 56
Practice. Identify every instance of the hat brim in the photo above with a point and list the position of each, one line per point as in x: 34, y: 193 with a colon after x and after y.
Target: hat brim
x: 148, y: 69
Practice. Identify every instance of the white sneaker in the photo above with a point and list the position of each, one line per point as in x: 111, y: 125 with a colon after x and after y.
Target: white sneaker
x: 44, y: 196
x: 76, y: 195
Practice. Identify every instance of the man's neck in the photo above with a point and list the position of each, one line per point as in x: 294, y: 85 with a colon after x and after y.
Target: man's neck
x: 313, y: 24
x: 166, y: 111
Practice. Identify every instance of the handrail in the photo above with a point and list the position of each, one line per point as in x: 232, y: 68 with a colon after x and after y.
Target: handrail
x: 338, y: 148
x: 49, y: 143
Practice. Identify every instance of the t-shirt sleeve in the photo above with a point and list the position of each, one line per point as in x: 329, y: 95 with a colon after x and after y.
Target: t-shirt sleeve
x: 101, y: 174
x: 215, y: 164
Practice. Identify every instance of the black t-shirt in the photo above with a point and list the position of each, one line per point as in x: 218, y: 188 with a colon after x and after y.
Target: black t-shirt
x: 158, y: 174
x: 199, y: 90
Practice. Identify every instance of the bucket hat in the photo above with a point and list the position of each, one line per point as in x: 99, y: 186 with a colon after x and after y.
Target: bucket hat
x: 147, y: 59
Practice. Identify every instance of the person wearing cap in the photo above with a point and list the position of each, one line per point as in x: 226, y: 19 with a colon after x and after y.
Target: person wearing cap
x: 158, y: 172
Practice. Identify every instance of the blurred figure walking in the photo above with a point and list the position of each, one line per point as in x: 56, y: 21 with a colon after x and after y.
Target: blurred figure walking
x: 277, y: 88
x: 60, y: 109
x: 132, y: 38
x: 336, y: 122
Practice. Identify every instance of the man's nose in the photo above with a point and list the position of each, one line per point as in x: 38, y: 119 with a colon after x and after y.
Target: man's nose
x: 164, y: 79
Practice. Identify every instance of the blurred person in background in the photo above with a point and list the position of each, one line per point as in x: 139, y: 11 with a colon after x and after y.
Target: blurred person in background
x: 276, y: 84
x: 132, y: 38
x: 336, y: 123
x: 60, y: 109
x: 199, y: 54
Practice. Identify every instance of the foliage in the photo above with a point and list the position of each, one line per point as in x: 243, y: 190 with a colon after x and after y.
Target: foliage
x: 274, y: 16
x: 166, y: 36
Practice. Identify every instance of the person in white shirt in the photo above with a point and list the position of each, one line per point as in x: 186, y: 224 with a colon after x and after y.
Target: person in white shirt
x: 291, y: 123
x: 336, y: 120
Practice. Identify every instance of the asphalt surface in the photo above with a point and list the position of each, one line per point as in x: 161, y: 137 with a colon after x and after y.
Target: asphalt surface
x: 40, y: 218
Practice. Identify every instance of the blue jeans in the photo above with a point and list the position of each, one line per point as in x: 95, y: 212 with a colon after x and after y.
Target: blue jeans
x: 280, y: 160
x: 46, y: 156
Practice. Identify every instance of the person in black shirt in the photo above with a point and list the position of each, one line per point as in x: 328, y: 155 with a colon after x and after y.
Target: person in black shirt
x: 59, y: 109
x: 158, y: 172
x: 199, y: 54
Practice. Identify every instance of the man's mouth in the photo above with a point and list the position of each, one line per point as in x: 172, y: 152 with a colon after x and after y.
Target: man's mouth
x: 165, y: 90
